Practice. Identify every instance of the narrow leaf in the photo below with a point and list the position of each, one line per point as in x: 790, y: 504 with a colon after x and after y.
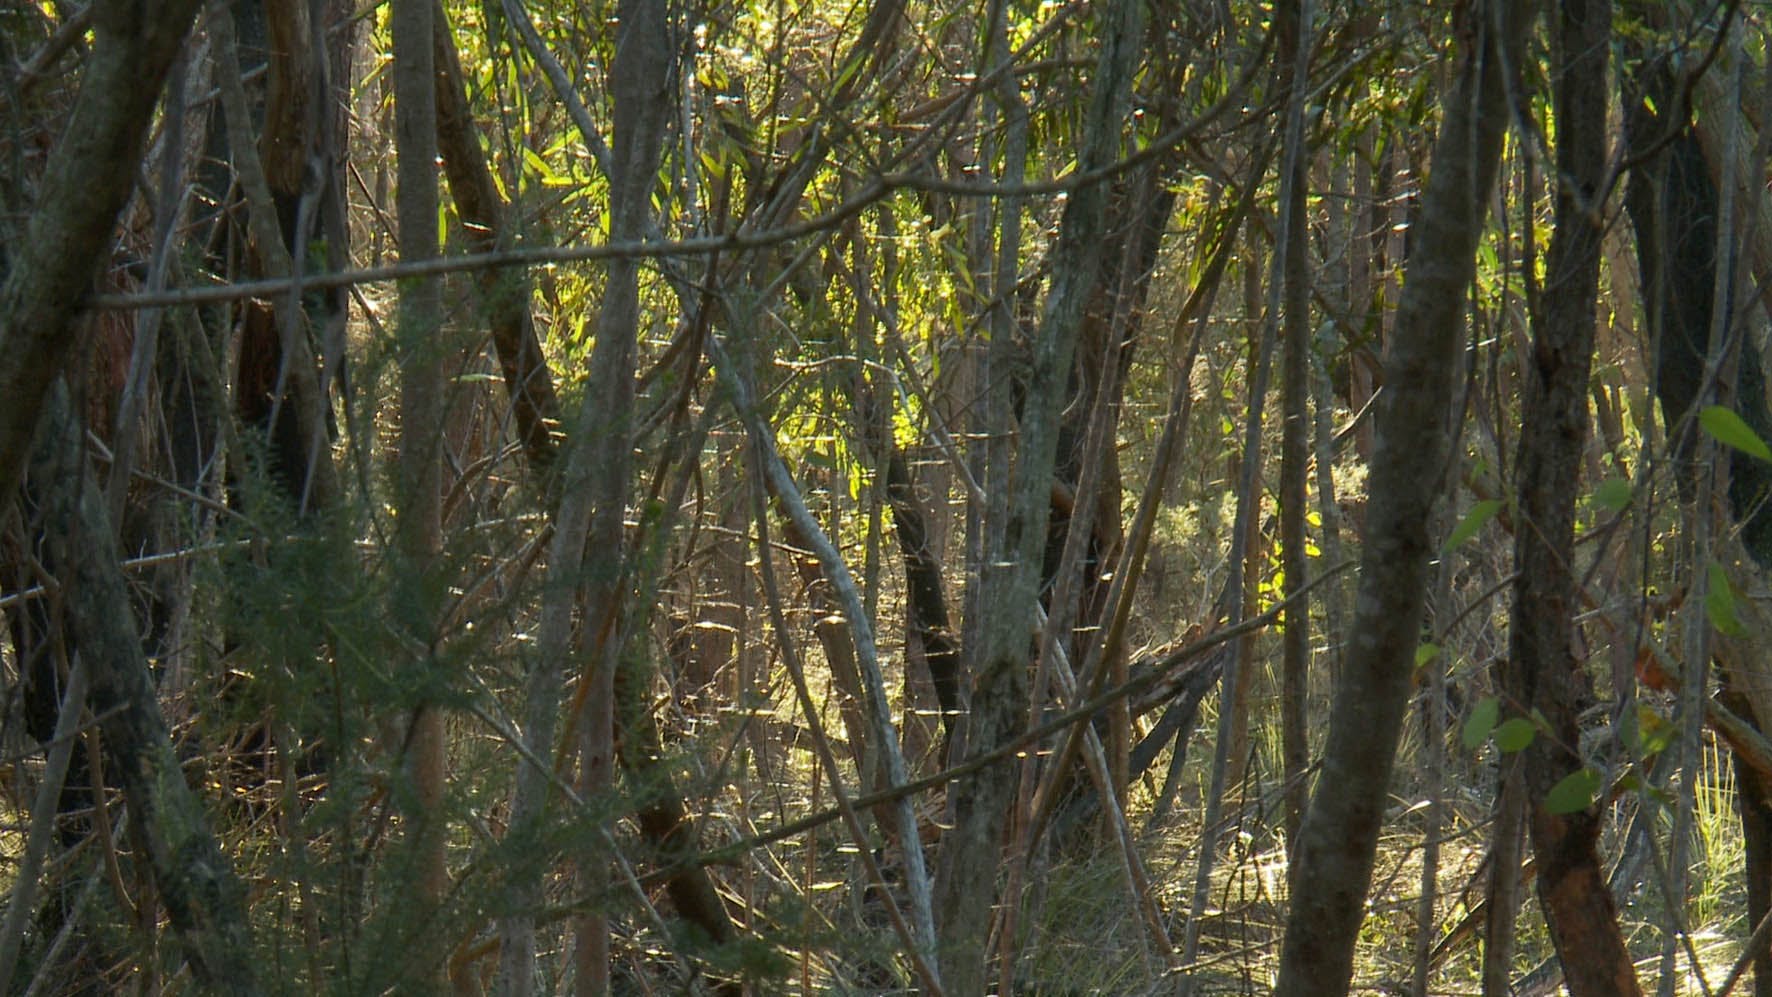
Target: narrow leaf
x: 1473, y: 521
x: 1719, y: 603
x: 1728, y: 429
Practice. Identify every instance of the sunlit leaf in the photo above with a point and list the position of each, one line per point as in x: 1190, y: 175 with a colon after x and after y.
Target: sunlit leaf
x: 1728, y: 428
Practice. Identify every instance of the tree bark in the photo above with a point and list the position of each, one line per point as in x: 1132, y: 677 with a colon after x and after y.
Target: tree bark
x: 504, y: 293
x: 1542, y: 672
x: 966, y: 878
x: 419, y: 528
x: 88, y: 179
x: 193, y: 879
x: 1339, y: 837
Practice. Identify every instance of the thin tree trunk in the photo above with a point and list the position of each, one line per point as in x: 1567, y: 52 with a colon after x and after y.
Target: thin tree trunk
x: 193, y: 880
x: 44, y: 814
x: 1246, y: 558
x: 885, y: 738
x: 308, y: 462
x: 641, y: 104
x: 1295, y: 44
x: 504, y: 293
x: 419, y: 528
x: 1704, y: 515
x: 1230, y: 746
x: 1339, y: 837
x: 1542, y: 670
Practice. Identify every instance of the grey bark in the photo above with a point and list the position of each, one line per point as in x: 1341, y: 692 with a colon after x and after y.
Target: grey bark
x: 1339, y: 837
x: 966, y: 880
x: 594, y: 491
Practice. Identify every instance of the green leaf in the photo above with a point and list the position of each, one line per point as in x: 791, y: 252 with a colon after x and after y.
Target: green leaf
x: 1613, y: 494
x: 1728, y: 428
x: 1654, y: 732
x: 1481, y: 722
x: 1719, y: 603
x: 1473, y: 521
x: 1426, y: 653
x: 1576, y: 791
x: 1515, y: 735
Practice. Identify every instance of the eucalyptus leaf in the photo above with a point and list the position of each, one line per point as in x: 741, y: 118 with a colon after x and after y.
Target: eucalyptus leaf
x: 1728, y: 428
x: 1473, y: 521
x: 1719, y: 603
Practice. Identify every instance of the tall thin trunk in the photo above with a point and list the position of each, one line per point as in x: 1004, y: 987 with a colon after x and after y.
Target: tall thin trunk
x: 1542, y: 668
x: 1720, y: 369
x: 593, y: 484
x: 1295, y: 647
x: 419, y: 528
x: 1229, y: 750
x: 504, y: 293
x: 1339, y: 838
x: 641, y: 104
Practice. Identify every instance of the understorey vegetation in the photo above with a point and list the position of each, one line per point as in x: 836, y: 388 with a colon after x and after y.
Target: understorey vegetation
x: 676, y: 496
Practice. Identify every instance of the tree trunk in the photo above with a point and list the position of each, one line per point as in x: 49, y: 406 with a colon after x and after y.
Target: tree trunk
x: 597, y: 484
x: 89, y: 178
x: 419, y: 528
x: 1295, y: 647
x: 1542, y: 672
x: 966, y: 878
x: 1339, y: 838
x: 504, y: 293
x: 166, y: 820
x: 1673, y: 206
